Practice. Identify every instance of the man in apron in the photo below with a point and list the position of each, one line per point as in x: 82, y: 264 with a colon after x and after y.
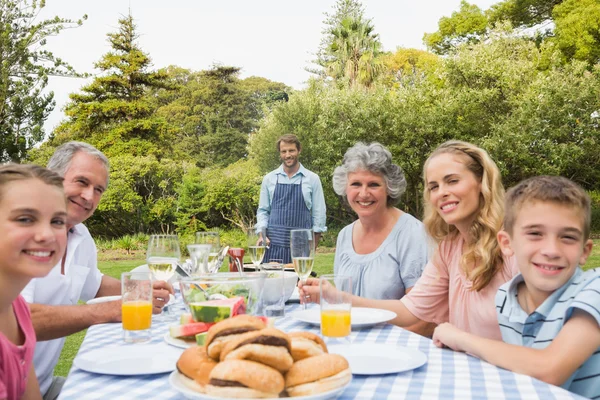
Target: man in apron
x: 291, y: 197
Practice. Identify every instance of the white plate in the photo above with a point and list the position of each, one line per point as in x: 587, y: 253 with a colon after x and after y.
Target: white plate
x: 103, y: 299
x: 359, y: 317
x: 177, y: 382
x: 113, y: 298
x: 377, y: 359
x: 133, y: 359
x: 182, y: 344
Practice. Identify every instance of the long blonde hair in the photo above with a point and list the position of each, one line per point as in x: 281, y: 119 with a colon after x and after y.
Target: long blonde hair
x: 483, y: 251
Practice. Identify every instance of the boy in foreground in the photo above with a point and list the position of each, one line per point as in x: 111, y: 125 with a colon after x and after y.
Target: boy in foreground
x: 549, y: 314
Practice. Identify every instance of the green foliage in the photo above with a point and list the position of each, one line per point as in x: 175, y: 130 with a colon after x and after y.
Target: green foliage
x: 342, y: 9
x: 578, y: 29
x: 408, y: 66
x: 219, y: 196
x: 213, y: 112
x: 354, y: 51
x: 141, y: 197
x: 463, y: 26
x: 595, y: 197
x: 25, y: 66
x: 113, y: 113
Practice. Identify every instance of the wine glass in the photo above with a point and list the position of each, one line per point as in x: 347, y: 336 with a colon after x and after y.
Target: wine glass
x: 211, y: 238
x: 162, y: 257
x: 302, y: 247
x: 256, y: 247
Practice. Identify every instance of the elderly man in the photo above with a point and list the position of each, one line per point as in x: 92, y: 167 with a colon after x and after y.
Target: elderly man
x: 291, y: 197
x: 53, y: 299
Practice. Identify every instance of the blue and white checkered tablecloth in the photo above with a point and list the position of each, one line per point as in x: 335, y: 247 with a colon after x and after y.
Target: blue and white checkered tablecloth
x: 446, y: 375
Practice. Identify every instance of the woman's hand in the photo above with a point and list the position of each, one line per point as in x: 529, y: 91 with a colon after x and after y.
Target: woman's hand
x: 309, y: 291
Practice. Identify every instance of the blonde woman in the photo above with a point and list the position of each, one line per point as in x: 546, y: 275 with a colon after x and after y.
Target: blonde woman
x: 464, y: 211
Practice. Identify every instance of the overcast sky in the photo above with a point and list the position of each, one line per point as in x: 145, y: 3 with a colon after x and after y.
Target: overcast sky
x: 274, y: 39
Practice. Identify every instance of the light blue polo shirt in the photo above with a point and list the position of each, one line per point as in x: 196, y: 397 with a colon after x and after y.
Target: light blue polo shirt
x: 538, y: 329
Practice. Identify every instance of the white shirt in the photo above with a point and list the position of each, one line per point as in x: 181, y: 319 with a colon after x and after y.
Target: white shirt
x: 81, y: 281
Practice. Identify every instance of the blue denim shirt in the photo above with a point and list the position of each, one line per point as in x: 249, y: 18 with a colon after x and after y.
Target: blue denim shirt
x: 312, y: 191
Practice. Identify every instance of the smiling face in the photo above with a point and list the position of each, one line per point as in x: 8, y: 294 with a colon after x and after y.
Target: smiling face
x: 85, y: 182
x: 548, y: 242
x: 33, y: 225
x: 289, y: 153
x: 366, y: 193
x: 453, y: 190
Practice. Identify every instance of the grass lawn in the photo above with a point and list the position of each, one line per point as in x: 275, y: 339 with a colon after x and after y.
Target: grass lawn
x: 323, y: 265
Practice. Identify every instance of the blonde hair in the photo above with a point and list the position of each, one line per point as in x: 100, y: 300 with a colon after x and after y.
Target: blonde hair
x: 19, y: 172
x: 548, y: 189
x: 483, y: 251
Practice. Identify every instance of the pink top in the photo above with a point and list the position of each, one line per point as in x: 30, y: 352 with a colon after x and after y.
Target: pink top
x: 15, y: 361
x: 443, y: 294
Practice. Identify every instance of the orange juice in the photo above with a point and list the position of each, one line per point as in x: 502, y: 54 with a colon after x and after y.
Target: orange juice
x: 335, y: 323
x: 137, y: 315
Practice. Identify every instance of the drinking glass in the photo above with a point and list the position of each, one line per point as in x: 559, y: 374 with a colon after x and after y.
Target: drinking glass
x: 136, y: 306
x: 211, y: 238
x: 199, y: 254
x: 273, y: 293
x: 302, y: 247
x: 335, y: 293
x: 162, y: 258
x: 257, y: 247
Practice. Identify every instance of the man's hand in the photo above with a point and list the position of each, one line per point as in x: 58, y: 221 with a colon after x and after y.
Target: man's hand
x: 450, y: 336
x: 160, y: 295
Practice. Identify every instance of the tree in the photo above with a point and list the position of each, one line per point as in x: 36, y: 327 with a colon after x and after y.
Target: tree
x: 24, y: 70
x: 342, y: 9
x: 409, y: 66
x: 464, y: 26
x: 578, y: 29
x: 354, y: 51
x: 212, y: 114
x: 115, y: 112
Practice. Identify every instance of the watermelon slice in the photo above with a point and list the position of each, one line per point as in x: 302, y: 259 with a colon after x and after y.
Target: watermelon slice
x: 186, y: 318
x: 201, y: 338
x: 188, y: 331
x: 217, y: 310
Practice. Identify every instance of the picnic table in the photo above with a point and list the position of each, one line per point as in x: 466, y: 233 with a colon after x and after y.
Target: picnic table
x: 446, y: 375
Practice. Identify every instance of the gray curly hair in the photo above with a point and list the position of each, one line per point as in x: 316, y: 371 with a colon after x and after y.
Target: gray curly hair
x: 373, y: 158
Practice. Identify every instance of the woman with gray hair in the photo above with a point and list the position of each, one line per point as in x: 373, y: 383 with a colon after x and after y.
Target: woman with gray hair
x: 385, y: 250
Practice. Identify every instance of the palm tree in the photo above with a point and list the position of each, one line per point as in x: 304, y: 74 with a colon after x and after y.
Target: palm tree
x: 355, y: 51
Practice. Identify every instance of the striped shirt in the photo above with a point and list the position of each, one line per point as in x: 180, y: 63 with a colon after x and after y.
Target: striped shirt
x: 538, y: 329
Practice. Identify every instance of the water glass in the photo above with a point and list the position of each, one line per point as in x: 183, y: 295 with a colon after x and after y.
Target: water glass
x: 136, y: 306
x: 336, y: 305
x: 274, y: 291
x: 212, y: 239
x: 199, y: 254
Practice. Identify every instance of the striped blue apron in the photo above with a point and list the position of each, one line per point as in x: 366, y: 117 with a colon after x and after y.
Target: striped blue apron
x: 288, y: 211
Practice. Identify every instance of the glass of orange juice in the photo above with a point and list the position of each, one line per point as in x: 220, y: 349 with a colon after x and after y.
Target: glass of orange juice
x: 136, y: 306
x: 336, y: 304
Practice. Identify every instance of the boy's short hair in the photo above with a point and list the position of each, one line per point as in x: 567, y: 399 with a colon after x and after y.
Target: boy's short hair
x: 291, y: 139
x: 553, y: 189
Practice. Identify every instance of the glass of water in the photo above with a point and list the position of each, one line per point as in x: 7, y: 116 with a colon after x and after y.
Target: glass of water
x: 273, y: 300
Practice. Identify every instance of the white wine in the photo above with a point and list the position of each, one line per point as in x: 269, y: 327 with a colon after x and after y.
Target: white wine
x: 162, y: 268
x: 303, y: 266
x: 256, y: 254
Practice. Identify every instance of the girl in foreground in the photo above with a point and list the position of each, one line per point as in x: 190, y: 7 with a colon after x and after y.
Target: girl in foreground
x: 33, y: 215
x: 463, y: 213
